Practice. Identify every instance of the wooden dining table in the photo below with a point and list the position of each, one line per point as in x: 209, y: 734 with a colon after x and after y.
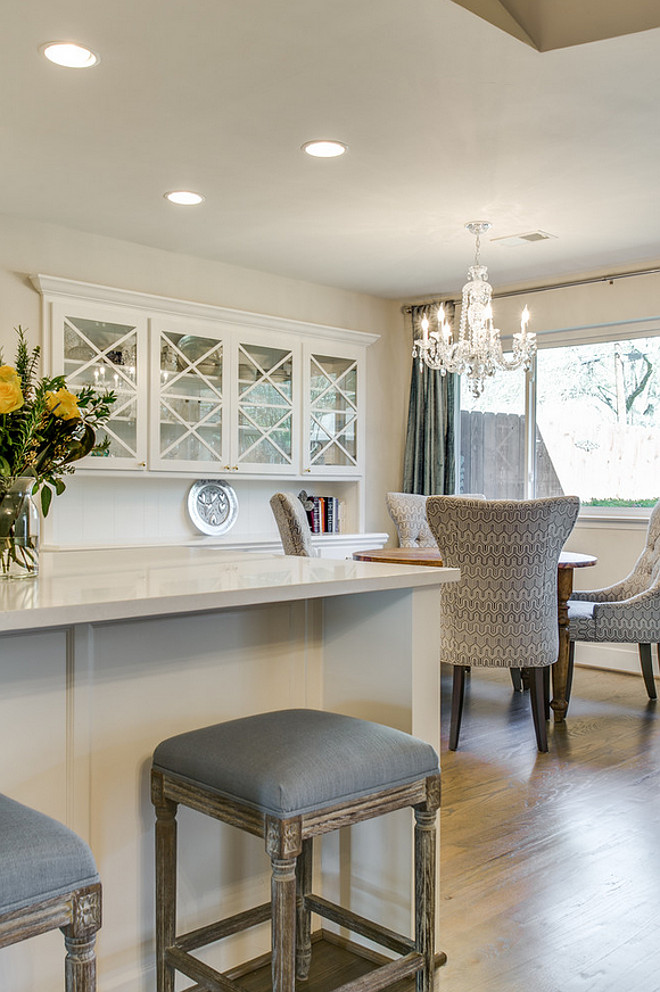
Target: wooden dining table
x: 568, y: 562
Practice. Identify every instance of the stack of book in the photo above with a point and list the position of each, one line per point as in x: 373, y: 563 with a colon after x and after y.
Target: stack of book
x: 322, y: 512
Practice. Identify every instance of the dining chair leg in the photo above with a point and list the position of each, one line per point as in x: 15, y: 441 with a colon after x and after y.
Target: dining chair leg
x: 546, y: 691
x: 569, y: 672
x: 458, y: 691
x: 536, y: 693
x: 646, y: 660
x: 516, y: 679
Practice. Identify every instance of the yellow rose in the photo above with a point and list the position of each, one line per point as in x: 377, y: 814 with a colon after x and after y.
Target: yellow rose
x: 11, y: 394
x: 63, y: 404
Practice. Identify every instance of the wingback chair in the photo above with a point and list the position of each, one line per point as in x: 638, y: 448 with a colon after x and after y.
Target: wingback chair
x: 627, y: 612
x: 293, y: 525
x: 503, y: 610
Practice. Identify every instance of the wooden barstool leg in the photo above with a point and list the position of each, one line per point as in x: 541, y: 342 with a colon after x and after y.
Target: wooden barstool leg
x: 303, y: 915
x: 283, y: 909
x: 80, y: 940
x: 425, y: 845
x: 80, y: 963
x: 165, y: 891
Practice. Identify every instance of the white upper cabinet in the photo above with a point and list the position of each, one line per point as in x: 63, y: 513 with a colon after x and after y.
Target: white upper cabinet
x: 333, y: 410
x: 189, y: 408
x: 265, y: 400
x: 105, y: 347
x: 201, y: 389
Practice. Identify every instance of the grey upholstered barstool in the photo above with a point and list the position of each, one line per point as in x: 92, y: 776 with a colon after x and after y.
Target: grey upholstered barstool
x: 288, y: 776
x: 48, y: 879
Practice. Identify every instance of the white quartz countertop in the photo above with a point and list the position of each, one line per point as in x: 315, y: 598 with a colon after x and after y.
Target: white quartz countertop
x: 118, y: 584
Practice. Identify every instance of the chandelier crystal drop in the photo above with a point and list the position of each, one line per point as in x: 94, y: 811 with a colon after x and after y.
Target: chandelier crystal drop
x: 477, y: 352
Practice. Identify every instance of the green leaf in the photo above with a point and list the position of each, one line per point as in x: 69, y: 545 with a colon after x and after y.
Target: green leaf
x: 59, y: 486
x: 5, y: 467
x: 46, y: 498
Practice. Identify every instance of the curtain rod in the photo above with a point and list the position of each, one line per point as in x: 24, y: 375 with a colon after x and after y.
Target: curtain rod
x: 408, y: 307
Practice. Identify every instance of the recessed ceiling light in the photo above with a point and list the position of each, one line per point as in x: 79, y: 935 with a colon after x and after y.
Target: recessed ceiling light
x: 184, y: 197
x: 68, y: 54
x: 324, y: 148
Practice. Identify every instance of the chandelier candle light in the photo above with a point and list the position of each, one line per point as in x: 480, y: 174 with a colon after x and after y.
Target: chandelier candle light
x: 477, y: 353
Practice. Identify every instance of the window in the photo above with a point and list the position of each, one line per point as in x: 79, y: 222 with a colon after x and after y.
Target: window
x: 594, y: 412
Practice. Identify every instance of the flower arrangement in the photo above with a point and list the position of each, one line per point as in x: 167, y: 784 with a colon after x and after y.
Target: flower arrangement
x: 44, y: 428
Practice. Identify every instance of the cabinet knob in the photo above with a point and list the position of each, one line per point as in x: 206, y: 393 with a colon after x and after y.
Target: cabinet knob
x: 234, y: 468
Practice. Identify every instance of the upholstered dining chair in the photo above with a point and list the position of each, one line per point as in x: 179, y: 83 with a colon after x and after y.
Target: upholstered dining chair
x: 48, y: 880
x: 408, y: 511
x: 627, y: 612
x: 293, y: 525
x: 503, y: 611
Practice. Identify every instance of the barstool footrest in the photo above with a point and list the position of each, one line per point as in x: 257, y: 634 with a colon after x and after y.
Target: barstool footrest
x: 359, y: 924
x: 385, y: 975
x: 223, y: 928
x: 203, y: 974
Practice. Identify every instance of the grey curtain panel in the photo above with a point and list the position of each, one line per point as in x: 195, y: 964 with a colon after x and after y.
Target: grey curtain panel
x: 429, y: 464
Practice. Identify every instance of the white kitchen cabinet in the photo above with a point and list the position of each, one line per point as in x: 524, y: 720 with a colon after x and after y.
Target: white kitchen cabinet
x: 202, y: 389
x: 105, y: 346
x: 333, y: 410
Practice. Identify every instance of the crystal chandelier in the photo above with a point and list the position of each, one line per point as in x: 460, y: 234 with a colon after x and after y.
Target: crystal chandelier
x: 477, y: 353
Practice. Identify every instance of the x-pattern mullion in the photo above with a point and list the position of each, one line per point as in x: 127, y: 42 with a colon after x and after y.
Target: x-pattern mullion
x: 107, y: 427
x: 190, y: 430
x: 334, y: 384
x: 191, y: 367
x: 265, y: 376
x: 333, y: 439
x: 265, y: 435
x: 102, y: 353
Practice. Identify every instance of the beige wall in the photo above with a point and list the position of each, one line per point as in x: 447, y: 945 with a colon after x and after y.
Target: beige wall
x: 27, y: 248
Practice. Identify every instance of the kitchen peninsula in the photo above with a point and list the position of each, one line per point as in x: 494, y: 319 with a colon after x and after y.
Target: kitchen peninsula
x: 108, y: 652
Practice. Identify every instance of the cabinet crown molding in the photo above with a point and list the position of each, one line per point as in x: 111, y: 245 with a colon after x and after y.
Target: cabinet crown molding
x: 54, y: 287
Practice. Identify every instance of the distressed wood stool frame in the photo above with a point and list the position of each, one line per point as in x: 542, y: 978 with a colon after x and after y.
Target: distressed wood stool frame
x: 78, y: 915
x: 289, y: 845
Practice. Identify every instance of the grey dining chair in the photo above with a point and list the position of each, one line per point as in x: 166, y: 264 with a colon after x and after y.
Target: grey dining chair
x: 408, y: 511
x: 627, y: 612
x: 503, y: 611
x: 293, y: 525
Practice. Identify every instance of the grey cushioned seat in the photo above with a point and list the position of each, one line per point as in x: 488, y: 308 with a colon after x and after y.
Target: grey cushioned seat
x: 289, y: 762
x: 39, y: 858
x: 290, y: 776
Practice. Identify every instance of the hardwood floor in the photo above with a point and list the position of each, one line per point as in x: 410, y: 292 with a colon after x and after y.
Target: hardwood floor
x: 550, y: 863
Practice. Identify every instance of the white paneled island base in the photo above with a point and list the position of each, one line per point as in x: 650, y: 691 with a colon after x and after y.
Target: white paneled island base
x: 109, y: 652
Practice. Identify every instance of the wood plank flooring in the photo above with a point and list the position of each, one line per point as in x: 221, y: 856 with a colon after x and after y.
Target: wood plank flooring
x: 550, y: 862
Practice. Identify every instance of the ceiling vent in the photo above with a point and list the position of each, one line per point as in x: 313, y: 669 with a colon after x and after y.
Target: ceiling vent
x: 513, y: 240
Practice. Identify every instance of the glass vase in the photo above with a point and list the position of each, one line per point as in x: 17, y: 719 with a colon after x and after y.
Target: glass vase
x: 19, y: 531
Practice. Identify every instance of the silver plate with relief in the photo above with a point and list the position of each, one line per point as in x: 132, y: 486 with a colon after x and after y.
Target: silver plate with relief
x: 212, y: 506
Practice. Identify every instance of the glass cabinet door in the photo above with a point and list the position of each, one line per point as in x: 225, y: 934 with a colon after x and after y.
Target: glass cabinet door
x: 332, y: 419
x: 107, y: 354
x: 265, y: 404
x: 188, y: 429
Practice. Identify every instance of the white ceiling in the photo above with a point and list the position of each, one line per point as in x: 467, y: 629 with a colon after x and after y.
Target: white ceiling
x: 448, y: 119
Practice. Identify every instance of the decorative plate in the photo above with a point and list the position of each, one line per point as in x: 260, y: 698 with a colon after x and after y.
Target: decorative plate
x: 212, y: 506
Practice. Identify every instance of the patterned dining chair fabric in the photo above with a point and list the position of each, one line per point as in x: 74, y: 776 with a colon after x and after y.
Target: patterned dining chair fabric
x: 293, y: 525
x: 408, y: 511
x: 503, y: 611
x: 627, y: 612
